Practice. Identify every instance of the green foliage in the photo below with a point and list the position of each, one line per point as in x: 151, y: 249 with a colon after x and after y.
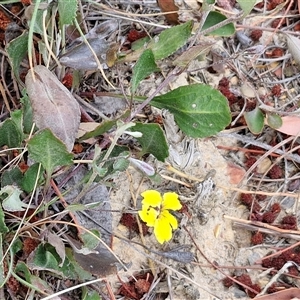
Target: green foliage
x: 16, y: 50
x: 89, y: 294
x: 170, y: 40
x: 30, y: 177
x: 12, y: 176
x: 144, y: 67
x: 10, y: 196
x: 10, y: 134
x: 152, y: 141
x: 247, y: 5
x: 89, y: 240
x: 99, y: 130
x: 255, y: 120
x: 48, y: 150
x: 215, y: 18
x: 67, y: 11
x: 273, y: 120
x: 198, y: 109
x: 27, y: 114
x: 3, y: 229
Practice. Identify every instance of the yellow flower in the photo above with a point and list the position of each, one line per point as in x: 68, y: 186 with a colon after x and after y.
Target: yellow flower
x: 155, y: 213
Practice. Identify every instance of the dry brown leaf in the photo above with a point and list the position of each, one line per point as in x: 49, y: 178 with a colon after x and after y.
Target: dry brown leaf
x: 168, y: 6
x: 53, y: 105
x: 290, y: 125
x: 235, y: 173
x: 289, y: 294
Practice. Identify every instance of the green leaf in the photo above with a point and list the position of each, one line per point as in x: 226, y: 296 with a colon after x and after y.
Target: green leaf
x: 274, y: 120
x: 88, y: 294
x: 38, y: 23
x: 21, y: 267
x: 247, y: 6
x: 140, y: 43
x: 48, y: 150
x: 10, y: 134
x: 99, y: 130
x: 27, y: 114
x: 45, y: 258
x: 16, y: 51
x: 29, y: 178
x: 170, y: 40
x: 215, y: 18
x: 143, y: 68
x: 121, y: 164
x: 153, y: 140
x: 255, y: 120
x: 17, y: 117
x: 89, y: 240
x: 75, y: 270
x: 3, y: 229
x: 13, y: 176
x: 198, y: 109
x: 108, y: 167
x: 67, y: 11
x: 11, y: 199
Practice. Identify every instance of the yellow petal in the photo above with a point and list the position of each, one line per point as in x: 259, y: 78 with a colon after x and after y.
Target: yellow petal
x: 152, y: 198
x: 171, y: 219
x: 162, y: 230
x: 170, y: 201
x: 149, y: 216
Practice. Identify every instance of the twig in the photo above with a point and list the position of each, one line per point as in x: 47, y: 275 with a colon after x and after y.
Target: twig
x: 264, y: 227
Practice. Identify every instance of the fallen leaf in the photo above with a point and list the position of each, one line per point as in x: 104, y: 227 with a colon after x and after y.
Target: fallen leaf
x: 168, y: 6
x: 53, y: 106
x: 289, y: 294
x: 235, y: 173
x: 293, y: 44
x: 290, y: 125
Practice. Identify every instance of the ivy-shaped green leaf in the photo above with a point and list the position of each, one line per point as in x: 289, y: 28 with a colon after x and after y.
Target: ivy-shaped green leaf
x: 44, y: 147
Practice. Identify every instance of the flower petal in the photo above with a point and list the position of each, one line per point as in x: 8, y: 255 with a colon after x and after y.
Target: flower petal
x: 171, y: 219
x: 162, y: 230
x: 152, y: 198
x: 148, y: 215
x: 170, y: 201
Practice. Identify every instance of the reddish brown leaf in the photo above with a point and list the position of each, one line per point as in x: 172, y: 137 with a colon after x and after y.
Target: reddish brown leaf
x: 169, y: 6
x: 235, y: 173
x: 293, y: 293
x: 290, y: 125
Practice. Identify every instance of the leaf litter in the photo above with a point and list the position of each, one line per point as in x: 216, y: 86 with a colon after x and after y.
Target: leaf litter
x: 221, y: 251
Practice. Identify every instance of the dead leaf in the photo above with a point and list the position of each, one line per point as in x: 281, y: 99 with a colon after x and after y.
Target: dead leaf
x: 53, y: 105
x: 86, y: 127
x: 59, y: 246
x: 290, y: 125
x: 235, y: 173
x: 226, y: 4
x: 168, y: 6
x: 293, y: 44
x: 289, y: 294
